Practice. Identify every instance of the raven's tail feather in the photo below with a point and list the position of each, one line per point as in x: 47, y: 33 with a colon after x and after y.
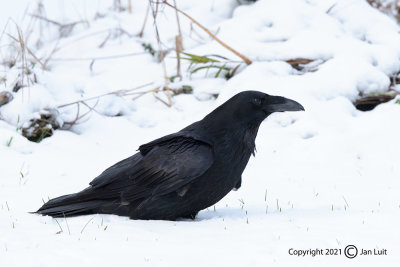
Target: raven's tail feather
x: 72, y: 205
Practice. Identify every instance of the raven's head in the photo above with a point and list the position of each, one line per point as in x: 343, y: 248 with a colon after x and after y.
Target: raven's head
x: 247, y: 109
x: 257, y: 106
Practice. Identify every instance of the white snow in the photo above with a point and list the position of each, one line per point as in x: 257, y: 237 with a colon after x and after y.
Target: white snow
x: 324, y: 178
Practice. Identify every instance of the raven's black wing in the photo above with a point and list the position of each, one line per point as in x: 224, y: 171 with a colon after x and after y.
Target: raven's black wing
x: 162, y: 166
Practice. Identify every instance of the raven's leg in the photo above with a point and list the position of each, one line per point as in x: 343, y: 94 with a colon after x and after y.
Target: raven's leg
x: 238, y: 185
x: 190, y: 215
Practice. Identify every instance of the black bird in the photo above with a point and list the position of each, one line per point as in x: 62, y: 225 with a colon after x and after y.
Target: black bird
x: 179, y: 174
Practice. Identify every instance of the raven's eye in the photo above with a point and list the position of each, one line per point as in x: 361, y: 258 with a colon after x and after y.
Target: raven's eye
x: 257, y: 101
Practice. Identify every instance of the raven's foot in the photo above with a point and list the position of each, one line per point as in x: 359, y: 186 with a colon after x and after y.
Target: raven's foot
x: 190, y: 215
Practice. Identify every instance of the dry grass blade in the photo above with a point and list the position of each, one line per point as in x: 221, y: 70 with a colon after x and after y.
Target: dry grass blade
x: 86, y: 225
x: 23, y: 54
x: 330, y: 8
x: 145, y: 20
x: 178, y: 45
x: 117, y: 93
x: 99, y: 58
x: 5, y: 27
x: 130, y: 6
x: 164, y: 67
x: 29, y: 51
x: 199, y: 59
x: 162, y: 101
x: 234, y: 70
x: 64, y: 29
x: 55, y: 49
x: 47, y: 20
x: 208, y: 62
x: 102, y: 44
x: 78, y: 117
x: 94, y: 106
x: 66, y: 44
x: 178, y: 50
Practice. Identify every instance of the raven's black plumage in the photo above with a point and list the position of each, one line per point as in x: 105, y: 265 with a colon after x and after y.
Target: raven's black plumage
x: 182, y: 173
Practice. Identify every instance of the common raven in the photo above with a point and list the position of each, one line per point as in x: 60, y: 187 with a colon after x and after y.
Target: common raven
x: 179, y: 174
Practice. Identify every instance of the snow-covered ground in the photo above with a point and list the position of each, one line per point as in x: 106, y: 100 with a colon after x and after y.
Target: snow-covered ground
x: 325, y: 178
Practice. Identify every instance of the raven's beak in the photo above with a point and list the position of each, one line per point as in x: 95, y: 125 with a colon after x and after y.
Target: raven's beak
x: 280, y: 104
